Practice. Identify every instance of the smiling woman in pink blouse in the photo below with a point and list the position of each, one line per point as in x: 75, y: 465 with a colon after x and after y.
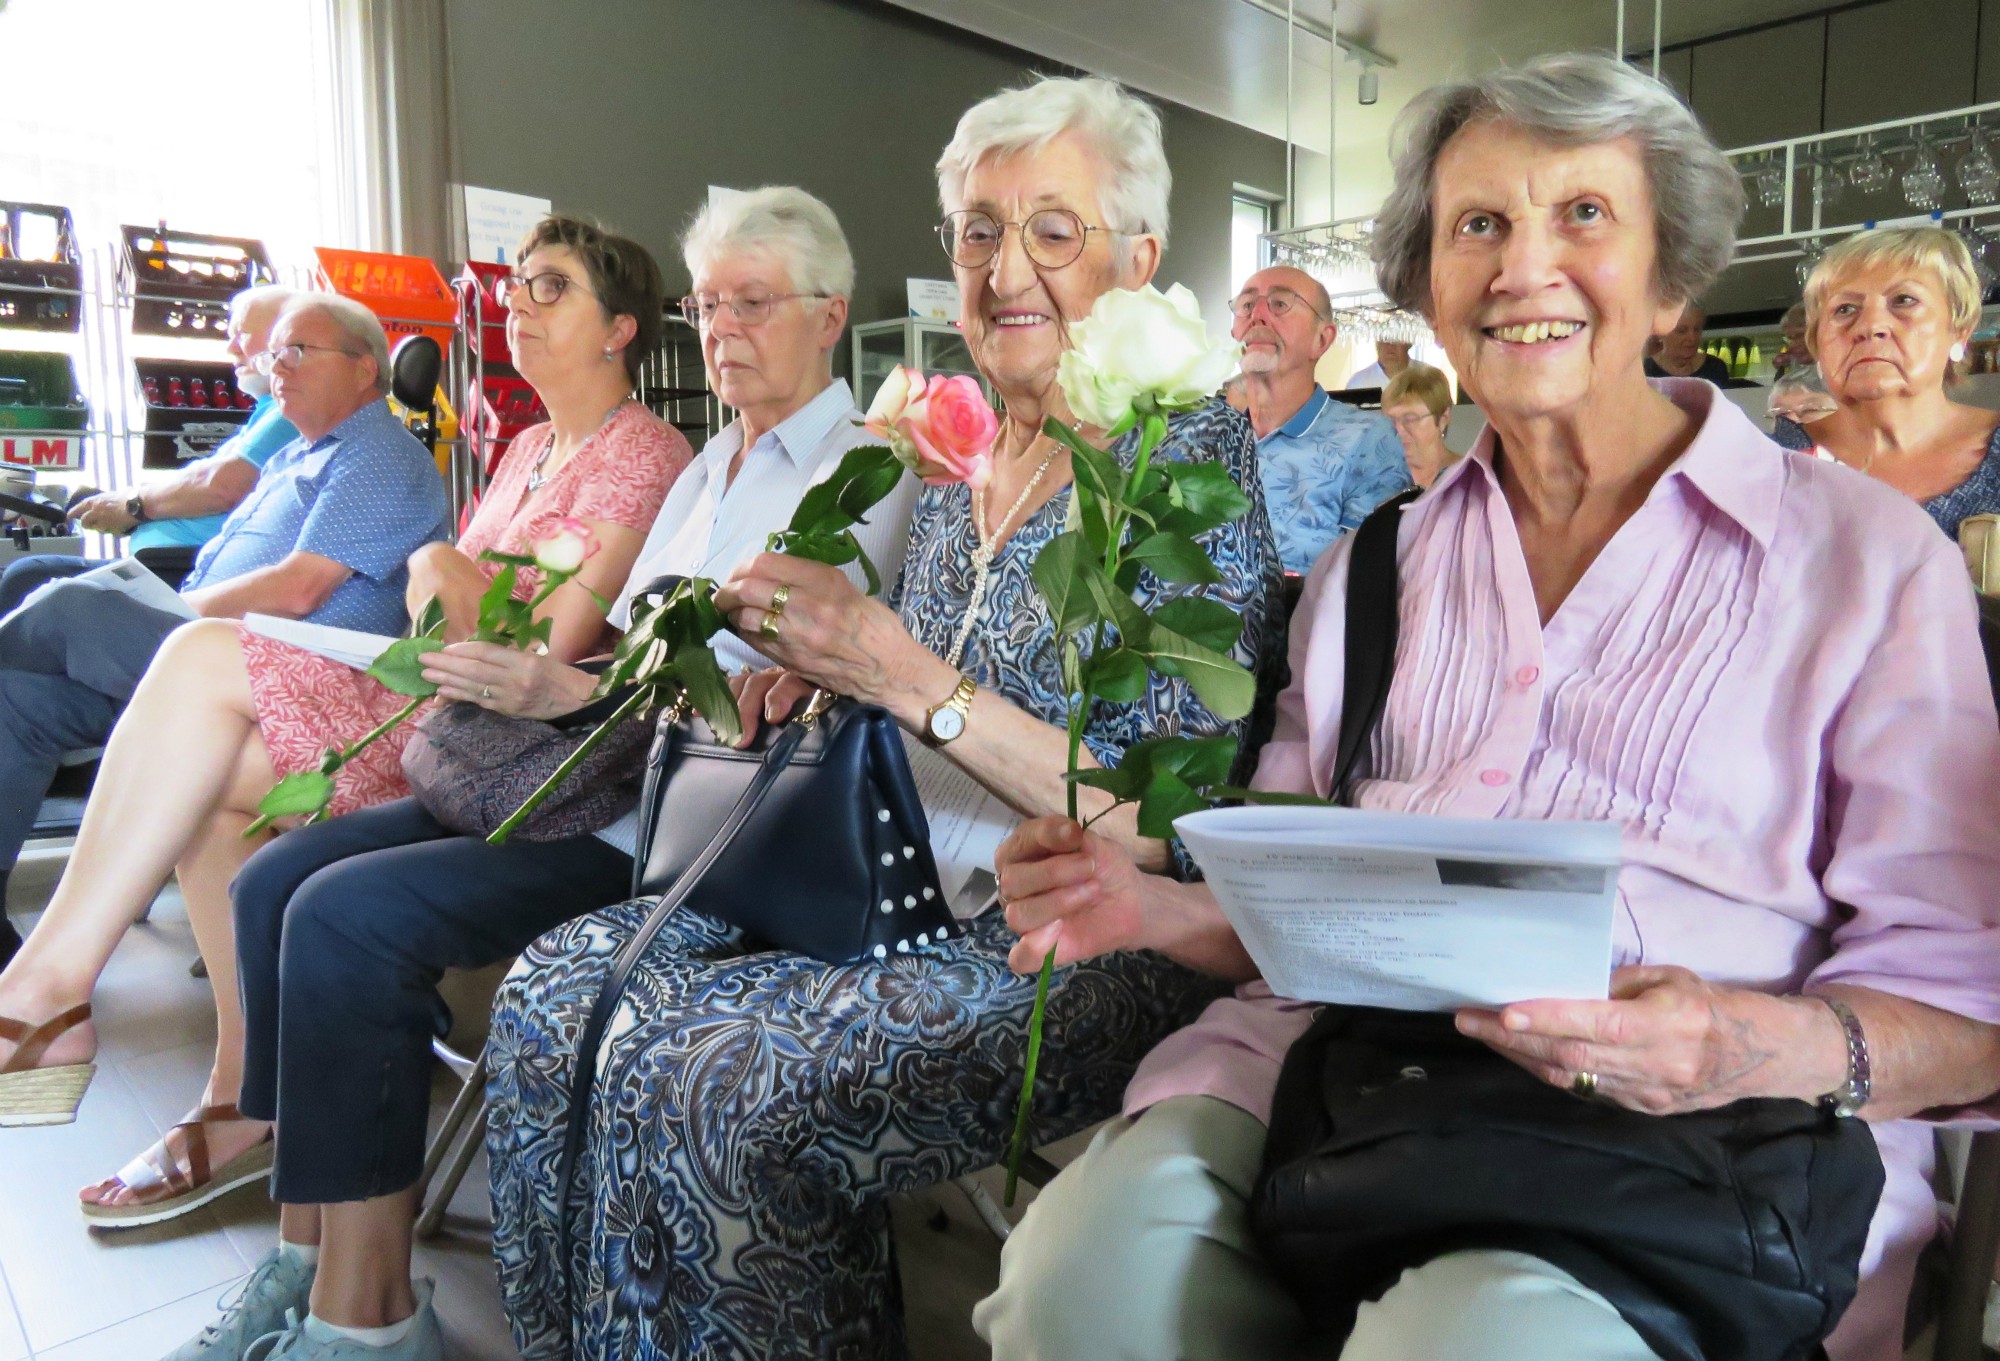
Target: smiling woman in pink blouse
x: 1625, y: 604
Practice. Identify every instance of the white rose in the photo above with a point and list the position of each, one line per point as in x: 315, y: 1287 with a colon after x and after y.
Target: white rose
x: 1139, y: 343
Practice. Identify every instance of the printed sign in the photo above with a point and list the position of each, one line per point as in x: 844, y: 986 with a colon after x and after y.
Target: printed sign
x: 933, y: 299
x: 58, y: 453
x: 495, y: 222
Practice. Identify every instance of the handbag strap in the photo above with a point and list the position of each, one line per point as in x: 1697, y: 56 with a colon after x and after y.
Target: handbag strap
x: 1371, y: 632
x: 584, y: 1079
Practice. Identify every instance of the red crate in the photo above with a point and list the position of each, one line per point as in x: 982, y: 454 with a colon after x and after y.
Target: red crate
x: 405, y: 292
x: 475, y: 298
x: 502, y: 409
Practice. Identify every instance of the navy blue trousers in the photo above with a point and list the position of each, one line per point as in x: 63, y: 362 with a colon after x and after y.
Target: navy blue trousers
x: 342, y: 932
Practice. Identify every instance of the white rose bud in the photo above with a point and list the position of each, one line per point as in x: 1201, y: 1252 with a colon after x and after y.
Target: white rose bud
x: 1142, y: 343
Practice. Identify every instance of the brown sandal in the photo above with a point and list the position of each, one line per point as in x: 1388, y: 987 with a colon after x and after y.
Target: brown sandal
x: 41, y: 1096
x: 166, y: 1191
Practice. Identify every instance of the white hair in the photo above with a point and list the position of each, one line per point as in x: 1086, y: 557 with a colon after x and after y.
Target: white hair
x: 1122, y: 129
x: 363, y: 332
x: 241, y: 303
x: 1571, y: 100
x: 784, y: 220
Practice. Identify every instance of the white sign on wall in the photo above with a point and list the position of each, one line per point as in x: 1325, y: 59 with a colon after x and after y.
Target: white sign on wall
x: 936, y: 299
x: 495, y: 222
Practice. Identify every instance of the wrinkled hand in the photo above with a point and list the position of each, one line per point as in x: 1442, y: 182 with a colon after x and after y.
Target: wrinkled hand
x: 440, y: 572
x: 1071, y: 889
x: 1669, y: 1042
x: 828, y: 631
x: 104, y: 513
x: 508, y: 680
x: 767, y: 696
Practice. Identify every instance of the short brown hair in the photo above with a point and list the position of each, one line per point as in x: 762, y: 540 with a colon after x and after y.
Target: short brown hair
x: 1421, y: 381
x: 622, y: 274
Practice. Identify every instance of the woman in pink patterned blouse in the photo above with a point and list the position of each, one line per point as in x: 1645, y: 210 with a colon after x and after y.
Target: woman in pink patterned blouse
x: 1625, y: 604
x: 584, y: 309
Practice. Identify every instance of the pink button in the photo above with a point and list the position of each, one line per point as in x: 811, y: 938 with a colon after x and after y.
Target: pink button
x: 1527, y: 675
x: 1495, y: 778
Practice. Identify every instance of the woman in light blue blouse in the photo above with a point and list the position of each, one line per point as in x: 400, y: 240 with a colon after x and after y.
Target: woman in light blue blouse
x: 755, y: 1112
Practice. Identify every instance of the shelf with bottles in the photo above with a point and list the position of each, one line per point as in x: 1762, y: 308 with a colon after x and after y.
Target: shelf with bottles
x: 190, y: 408
x: 41, y: 274
x: 181, y: 282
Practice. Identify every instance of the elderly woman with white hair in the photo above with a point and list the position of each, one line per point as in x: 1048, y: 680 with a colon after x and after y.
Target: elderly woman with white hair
x: 1616, y: 607
x: 756, y: 1110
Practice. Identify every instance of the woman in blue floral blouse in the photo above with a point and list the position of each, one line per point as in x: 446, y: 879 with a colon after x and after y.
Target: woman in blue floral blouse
x: 755, y: 1112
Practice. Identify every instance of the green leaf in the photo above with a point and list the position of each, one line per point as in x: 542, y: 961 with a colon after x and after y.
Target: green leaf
x: 400, y: 667
x: 1203, y: 497
x: 1270, y: 796
x: 1217, y: 679
x: 516, y: 559
x: 1176, y: 559
x: 297, y: 795
x: 429, y: 621
x: 1058, y: 574
x: 1124, y: 782
x: 1178, y: 771
x: 1119, y: 675
x: 708, y: 690
x: 1115, y: 605
x: 1201, y: 620
x: 866, y: 474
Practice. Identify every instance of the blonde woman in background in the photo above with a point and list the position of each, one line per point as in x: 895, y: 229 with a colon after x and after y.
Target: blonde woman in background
x: 1417, y: 402
x: 1888, y: 315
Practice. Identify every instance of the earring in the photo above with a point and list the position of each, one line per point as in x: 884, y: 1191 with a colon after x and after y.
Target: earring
x: 610, y: 355
x: 1958, y: 352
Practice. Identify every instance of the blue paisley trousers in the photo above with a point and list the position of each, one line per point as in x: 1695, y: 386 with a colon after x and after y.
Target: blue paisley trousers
x: 754, y: 1112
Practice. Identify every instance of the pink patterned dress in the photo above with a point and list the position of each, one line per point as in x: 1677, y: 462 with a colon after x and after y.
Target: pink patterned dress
x: 307, y: 703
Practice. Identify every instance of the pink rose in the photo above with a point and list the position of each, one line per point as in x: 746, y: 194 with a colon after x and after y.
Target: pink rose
x: 566, y: 547
x: 953, y: 429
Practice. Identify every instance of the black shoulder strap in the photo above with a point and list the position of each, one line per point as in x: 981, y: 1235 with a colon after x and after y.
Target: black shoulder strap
x: 1371, y: 632
x: 583, y: 1080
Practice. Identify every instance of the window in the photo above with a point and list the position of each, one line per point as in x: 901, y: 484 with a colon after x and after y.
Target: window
x: 1249, y: 218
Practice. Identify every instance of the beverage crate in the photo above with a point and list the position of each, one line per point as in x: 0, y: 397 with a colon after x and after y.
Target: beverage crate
x: 41, y: 274
x: 182, y: 281
x: 405, y: 292
x: 502, y: 409
x: 42, y: 414
x: 475, y: 300
x: 178, y: 427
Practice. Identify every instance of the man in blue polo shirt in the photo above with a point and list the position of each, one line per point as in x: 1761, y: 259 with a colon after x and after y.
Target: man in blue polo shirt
x: 187, y: 510
x: 324, y: 535
x: 1324, y: 464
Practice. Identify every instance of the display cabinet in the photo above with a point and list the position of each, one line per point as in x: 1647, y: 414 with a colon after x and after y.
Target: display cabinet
x: 930, y: 347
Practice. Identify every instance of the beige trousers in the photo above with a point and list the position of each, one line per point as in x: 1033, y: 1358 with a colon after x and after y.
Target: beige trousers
x: 1141, y: 1249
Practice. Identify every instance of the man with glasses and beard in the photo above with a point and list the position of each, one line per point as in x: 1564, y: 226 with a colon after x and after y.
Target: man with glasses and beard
x: 1325, y: 464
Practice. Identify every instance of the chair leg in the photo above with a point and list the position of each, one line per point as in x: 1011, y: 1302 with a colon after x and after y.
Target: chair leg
x: 1974, y: 1242
x: 989, y: 1213
x: 432, y: 1219
x: 471, y: 1097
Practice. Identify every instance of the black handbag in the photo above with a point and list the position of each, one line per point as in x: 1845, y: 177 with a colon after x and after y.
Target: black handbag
x: 1732, y: 1234
x: 811, y: 839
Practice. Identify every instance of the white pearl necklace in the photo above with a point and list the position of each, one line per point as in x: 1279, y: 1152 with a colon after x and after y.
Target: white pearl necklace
x: 982, y: 555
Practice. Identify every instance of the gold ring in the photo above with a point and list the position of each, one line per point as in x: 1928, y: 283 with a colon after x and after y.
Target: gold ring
x: 486, y: 692
x: 769, y: 628
x: 1584, y: 1084
x: 778, y: 599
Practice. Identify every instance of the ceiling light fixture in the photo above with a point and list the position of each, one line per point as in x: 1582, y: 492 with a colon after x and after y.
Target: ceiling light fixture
x: 1371, y: 89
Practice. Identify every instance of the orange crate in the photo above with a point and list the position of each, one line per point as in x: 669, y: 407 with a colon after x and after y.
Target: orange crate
x: 405, y: 292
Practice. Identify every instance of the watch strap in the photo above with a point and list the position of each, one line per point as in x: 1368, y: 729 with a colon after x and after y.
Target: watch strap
x: 960, y: 701
x: 135, y: 506
x: 1851, y: 1095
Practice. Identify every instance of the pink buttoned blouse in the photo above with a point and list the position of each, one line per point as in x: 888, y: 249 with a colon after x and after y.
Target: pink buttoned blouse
x: 1770, y: 678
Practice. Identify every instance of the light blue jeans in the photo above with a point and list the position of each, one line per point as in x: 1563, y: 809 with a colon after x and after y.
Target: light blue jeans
x: 1141, y: 1249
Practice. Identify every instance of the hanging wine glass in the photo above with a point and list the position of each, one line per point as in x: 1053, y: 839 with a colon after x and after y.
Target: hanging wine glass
x: 1769, y: 181
x: 1828, y: 187
x: 1923, y: 182
x: 1870, y: 173
x: 1976, y: 243
x: 1978, y: 174
x: 1809, y: 253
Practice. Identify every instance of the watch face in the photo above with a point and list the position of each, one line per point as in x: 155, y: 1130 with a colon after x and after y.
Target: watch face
x: 947, y: 724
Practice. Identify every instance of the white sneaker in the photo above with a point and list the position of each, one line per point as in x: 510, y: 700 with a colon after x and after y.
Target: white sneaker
x: 280, y: 1284
x: 424, y: 1341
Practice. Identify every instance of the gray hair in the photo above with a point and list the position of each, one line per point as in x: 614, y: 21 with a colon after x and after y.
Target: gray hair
x: 786, y: 221
x: 1121, y: 128
x: 357, y: 324
x: 241, y: 303
x: 1571, y: 100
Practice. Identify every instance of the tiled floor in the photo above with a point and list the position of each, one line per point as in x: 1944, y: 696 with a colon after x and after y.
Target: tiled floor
x: 71, y: 1294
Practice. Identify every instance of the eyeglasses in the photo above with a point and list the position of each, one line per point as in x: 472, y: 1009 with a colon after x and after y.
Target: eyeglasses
x: 1053, y: 237
x: 1279, y: 302
x: 544, y: 289
x: 278, y: 357
x: 1413, y: 422
x: 751, y: 310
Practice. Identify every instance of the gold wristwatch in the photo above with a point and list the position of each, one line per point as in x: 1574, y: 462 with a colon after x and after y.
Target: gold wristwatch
x: 943, y: 722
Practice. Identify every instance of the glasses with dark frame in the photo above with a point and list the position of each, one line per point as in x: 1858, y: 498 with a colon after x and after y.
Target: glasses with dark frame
x: 544, y: 289
x: 1053, y: 237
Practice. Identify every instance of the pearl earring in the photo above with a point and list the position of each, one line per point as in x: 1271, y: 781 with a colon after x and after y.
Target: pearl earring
x: 608, y: 355
x: 1958, y: 352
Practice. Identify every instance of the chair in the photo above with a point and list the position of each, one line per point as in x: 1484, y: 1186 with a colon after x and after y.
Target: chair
x: 469, y: 994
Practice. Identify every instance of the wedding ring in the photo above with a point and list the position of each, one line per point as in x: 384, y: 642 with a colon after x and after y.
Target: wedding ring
x: 769, y: 628
x: 486, y: 692
x: 1584, y: 1084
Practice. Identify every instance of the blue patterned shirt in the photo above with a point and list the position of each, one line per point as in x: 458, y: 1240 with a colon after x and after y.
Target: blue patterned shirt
x: 1011, y: 649
x: 1979, y: 494
x: 262, y: 436
x: 1324, y: 470
x: 367, y: 495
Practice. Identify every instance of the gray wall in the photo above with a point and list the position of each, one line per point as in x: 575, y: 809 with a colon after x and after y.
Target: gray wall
x: 630, y: 109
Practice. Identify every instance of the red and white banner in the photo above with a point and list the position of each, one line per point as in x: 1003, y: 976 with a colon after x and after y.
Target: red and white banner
x: 57, y: 453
